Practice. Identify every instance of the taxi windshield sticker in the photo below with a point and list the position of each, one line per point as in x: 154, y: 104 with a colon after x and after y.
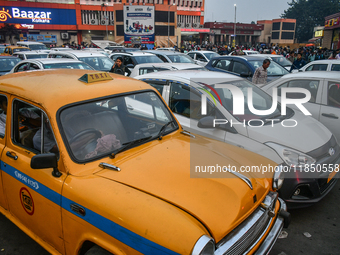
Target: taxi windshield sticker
x: 93, y: 77
x: 27, y: 201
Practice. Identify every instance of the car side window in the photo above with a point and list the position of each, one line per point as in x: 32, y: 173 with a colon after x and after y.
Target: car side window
x: 146, y: 70
x: 114, y: 57
x: 239, y: 68
x: 162, y: 58
x: 128, y: 61
x: 223, y: 64
x: 3, y: 115
x: 22, y: 67
x: 192, y: 55
x: 34, y: 67
x: 159, y: 85
x: 335, y: 67
x: 186, y: 102
x: 31, y: 129
x: 317, y: 67
x: 311, y: 85
x: 333, y: 97
x: 200, y: 58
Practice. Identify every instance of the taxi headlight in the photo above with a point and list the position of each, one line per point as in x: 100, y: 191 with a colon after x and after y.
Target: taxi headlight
x: 292, y: 157
x: 278, y: 178
x: 204, y: 246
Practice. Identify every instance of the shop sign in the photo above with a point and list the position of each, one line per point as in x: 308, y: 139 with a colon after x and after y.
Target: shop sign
x: 318, y: 33
x: 332, y: 22
x: 37, y: 16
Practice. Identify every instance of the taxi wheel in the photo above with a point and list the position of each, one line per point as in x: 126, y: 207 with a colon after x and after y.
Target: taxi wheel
x: 97, y: 250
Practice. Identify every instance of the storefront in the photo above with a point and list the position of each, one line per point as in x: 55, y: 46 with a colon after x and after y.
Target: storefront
x: 332, y: 32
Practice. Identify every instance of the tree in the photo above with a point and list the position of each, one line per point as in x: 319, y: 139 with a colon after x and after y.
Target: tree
x: 309, y: 14
x: 9, y: 30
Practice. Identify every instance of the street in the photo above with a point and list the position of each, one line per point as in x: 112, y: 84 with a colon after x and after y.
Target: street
x: 321, y: 221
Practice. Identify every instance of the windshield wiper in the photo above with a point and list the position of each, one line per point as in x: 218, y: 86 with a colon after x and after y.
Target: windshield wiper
x: 129, y: 144
x: 161, y: 131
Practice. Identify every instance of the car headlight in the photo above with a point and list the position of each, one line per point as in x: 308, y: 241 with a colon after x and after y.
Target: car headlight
x: 204, y: 246
x: 292, y: 157
x: 278, y: 178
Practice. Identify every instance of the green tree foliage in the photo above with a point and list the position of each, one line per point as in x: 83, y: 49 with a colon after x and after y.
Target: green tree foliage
x: 309, y: 14
x: 10, y: 31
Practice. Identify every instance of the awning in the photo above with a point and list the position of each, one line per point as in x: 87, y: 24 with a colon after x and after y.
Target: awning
x: 314, y: 39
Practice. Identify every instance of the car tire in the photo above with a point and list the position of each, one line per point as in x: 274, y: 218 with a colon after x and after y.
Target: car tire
x: 97, y: 250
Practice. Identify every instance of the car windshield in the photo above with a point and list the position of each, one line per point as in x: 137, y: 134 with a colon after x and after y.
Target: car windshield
x: 211, y: 55
x: 147, y: 59
x: 29, y: 56
x: 2, y: 49
x: 282, y: 61
x: 37, y: 47
x: 99, y: 63
x: 6, y: 64
x: 20, y: 49
x: 67, y: 66
x: 274, y: 69
x: 261, y: 100
x: 99, y: 128
x: 181, y: 59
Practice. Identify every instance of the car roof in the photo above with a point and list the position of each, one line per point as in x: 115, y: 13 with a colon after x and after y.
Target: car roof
x: 249, y: 57
x: 2, y: 56
x: 52, y: 60
x: 50, y: 87
x: 202, y: 51
x: 179, y: 66
x: 271, y: 56
x: 190, y: 74
x: 312, y: 74
x: 325, y: 61
x: 16, y: 47
x: 77, y: 53
x: 165, y: 52
x: 133, y: 53
x: 30, y: 43
x: 33, y: 52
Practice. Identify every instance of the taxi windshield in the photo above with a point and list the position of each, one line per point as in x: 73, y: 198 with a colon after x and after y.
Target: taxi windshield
x: 99, y: 128
x: 6, y: 64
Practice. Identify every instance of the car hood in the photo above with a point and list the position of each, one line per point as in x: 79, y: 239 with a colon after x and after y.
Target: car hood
x: 162, y: 169
x: 306, y: 136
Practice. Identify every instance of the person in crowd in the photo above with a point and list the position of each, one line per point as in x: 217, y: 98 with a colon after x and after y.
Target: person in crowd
x: 260, y: 75
x: 298, y: 63
x: 119, y: 68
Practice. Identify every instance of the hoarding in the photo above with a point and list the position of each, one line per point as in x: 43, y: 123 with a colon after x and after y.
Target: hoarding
x: 30, y: 15
x: 139, y: 24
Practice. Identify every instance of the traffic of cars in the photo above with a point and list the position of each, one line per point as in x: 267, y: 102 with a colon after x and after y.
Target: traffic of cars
x: 140, y: 165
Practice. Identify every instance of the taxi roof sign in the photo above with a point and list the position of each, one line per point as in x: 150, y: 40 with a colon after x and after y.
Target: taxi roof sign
x: 93, y: 77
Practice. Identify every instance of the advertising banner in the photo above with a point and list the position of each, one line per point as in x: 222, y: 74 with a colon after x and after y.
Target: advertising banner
x: 39, y: 38
x: 30, y: 15
x: 139, y: 24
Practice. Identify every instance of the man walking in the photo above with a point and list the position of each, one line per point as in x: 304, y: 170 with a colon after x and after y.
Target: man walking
x: 298, y: 63
x: 260, y: 75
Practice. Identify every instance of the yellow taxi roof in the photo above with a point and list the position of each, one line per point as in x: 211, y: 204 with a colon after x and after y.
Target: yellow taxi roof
x: 56, y: 88
x: 17, y: 47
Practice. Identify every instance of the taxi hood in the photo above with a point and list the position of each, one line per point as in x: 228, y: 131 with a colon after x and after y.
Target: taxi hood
x: 161, y: 168
x: 308, y: 135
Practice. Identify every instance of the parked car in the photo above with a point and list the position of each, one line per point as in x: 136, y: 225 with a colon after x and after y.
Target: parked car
x: 245, y: 66
x: 7, y: 63
x: 202, y: 57
x: 30, y: 54
x: 9, y: 50
x: 157, y: 67
x: 96, y: 60
x: 61, y: 49
x: 281, y: 60
x: 322, y: 65
x: 48, y: 63
x: 107, y: 165
x: 296, y: 148
x: 324, y: 104
x: 130, y: 59
x: 171, y: 49
x: 243, y: 52
x: 33, y: 45
x: 172, y: 56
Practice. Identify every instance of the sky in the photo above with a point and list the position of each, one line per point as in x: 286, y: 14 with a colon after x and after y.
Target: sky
x: 246, y: 10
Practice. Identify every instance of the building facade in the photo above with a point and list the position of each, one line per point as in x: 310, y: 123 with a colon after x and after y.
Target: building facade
x: 80, y: 21
x: 332, y: 32
x: 278, y: 31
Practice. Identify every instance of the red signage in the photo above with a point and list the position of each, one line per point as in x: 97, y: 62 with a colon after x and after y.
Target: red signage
x: 201, y: 30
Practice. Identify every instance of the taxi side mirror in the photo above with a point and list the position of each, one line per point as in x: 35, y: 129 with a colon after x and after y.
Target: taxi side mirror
x: 47, y: 160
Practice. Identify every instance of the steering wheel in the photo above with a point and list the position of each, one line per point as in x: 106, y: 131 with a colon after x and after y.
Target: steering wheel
x: 84, y: 132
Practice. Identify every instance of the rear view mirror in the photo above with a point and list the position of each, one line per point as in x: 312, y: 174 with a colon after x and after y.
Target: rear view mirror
x: 47, y: 160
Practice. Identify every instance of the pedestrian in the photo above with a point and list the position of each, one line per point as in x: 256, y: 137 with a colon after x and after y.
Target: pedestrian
x: 119, y: 68
x: 337, y: 54
x: 298, y: 63
x: 260, y: 75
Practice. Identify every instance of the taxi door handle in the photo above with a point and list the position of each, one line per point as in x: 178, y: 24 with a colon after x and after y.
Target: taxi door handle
x: 330, y: 115
x: 9, y: 154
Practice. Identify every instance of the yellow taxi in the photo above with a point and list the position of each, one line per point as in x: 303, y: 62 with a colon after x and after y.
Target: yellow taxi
x: 9, y: 50
x: 96, y: 163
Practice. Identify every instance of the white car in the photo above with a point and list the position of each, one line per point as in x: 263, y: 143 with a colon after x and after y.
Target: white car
x: 61, y: 49
x: 48, y: 63
x: 245, y: 52
x: 322, y: 65
x: 171, y: 49
x: 96, y: 60
x: 307, y: 143
x: 202, y: 57
x: 157, y: 67
x: 30, y: 54
x: 281, y: 60
x: 324, y: 87
x: 33, y: 45
x: 131, y: 59
x: 172, y: 56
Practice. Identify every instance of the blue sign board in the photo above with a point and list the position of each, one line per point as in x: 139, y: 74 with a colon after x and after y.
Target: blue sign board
x: 28, y: 15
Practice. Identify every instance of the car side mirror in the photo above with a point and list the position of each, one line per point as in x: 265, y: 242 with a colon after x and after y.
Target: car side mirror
x: 46, y: 160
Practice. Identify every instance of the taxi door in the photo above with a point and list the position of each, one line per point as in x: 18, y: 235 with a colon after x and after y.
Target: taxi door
x: 3, y: 134
x: 33, y: 195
